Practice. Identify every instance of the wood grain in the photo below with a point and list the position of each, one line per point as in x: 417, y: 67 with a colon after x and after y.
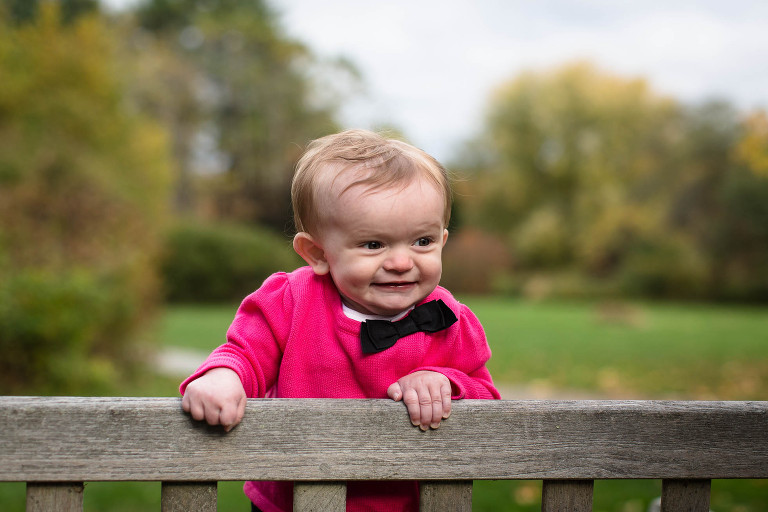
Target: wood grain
x: 570, y: 495
x: 59, y: 497
x: 445, y: 496
x: 186, y: 496
x: 685, y: 495
x: 98, y: 439
x: 319, y: 497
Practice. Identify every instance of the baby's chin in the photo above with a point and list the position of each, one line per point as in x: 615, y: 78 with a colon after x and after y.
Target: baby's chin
x: 384, y: 308
x: 395, y: 308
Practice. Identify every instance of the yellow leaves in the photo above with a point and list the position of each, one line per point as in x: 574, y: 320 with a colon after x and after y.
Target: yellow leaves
x: 578, y: 87
x: 605, y: 238
x: 579, y: 123
x: 86, y: 179
x: 752, y: 149
x: 542, y: 238
x: 57, y: 70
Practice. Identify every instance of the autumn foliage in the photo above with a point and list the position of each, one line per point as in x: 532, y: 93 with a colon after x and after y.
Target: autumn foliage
x: 83, y: 198
x: 598, y: 178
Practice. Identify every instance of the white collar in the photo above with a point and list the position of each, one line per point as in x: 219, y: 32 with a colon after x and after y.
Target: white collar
x: 362, y: 317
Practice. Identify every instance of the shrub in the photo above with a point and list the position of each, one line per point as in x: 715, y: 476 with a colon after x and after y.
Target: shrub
x: 665, y: 267
x: 83, y: 195
x: 474, y: 262
x: 56, y: 331
x: 221, y: 262
x: 542, y: 241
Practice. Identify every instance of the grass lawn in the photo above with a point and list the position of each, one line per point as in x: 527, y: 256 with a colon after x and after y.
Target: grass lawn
x: 564, y: 350
x: 633, y: 351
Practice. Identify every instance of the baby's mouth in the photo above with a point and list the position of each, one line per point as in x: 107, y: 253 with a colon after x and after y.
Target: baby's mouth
x: 395, y: 284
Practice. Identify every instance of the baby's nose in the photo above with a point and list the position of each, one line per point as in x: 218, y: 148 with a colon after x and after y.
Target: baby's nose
x: 398, y: 260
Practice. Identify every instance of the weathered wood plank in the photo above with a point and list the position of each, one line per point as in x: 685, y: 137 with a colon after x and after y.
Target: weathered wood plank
x: 55, y: 497
x: 570, y: 495
x: 186, y: 496
x: 685, y: 495
x: 319, y: 497
x: 445, y: 496
x: 86, y: 439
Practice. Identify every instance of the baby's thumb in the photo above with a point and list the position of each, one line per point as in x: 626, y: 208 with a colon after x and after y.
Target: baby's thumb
x: 394, y: 392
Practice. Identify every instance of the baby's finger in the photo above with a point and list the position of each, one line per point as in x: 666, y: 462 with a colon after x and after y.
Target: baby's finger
x: 446, y: 393
x: 241, y: 408
x: 427, y: 405
x: 435, y: 393
x: 395, y: 392
x: 185, y: 403
x: 231, y: 415
x: 196, y: 409
x: 212, y: 415
x: 411, y: 401
x: 228, y: 417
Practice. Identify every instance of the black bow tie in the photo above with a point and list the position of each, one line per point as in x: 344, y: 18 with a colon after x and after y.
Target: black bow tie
x: 378, y: 335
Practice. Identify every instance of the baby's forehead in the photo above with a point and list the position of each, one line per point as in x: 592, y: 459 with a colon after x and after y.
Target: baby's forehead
x: 335, y: 177
x: 338, y: 180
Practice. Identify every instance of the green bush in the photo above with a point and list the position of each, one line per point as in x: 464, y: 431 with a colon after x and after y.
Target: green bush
x: 221, y: 262
x: 665, y: 267
x: 743, y: 223
x: 56, y: 331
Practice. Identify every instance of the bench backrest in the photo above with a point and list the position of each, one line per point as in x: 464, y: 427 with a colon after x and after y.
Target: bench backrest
x: 56, y: 443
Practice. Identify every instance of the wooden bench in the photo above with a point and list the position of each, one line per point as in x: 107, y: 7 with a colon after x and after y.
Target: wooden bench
x: 57, y: 443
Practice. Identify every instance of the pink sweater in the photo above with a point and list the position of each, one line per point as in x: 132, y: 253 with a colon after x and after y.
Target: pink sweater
x: 291, y: 339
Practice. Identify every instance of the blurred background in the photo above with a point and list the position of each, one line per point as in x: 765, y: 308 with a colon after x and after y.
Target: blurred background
x: 610, y: 223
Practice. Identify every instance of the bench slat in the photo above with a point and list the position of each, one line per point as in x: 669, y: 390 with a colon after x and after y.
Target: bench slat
x: 109, y: 439
x: 185, y: 496
x: 449, y: 496
x: 55, y: 497
x: 685, y: 495
x: 319, y: 496
x: 571, y: 495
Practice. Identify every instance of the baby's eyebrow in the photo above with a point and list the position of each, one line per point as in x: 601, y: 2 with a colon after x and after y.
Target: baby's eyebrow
x: 426, y: 228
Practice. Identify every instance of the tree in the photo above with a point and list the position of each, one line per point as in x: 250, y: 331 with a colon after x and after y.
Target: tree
x: 82, y: 200
x: 752, y: 148
x: 255, y: 103
x: 588, y: 173
x: 738, y: 233
x: 575, y: 152
x: 24, y: 11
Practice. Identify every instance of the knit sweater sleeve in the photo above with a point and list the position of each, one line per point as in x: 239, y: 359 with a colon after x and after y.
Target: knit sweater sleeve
x: 255, y: 339
x: 464, y: 358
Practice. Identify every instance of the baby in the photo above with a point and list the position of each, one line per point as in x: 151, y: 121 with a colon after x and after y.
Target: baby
x: 366, y: 318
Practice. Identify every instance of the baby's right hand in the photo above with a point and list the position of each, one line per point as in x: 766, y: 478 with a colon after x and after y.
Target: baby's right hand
x: 217, y: 397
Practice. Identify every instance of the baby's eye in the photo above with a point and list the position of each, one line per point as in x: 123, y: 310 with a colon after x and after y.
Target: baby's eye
x: 423, y: 242
x: 372, y: 246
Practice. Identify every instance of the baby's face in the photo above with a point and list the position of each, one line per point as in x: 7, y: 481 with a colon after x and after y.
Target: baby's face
x: 384, y: 247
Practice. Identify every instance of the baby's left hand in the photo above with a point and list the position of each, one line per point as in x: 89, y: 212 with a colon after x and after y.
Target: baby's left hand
x: 426, y: 394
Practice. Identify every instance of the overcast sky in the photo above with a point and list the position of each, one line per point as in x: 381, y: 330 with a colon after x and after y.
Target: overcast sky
x: 429, y: 65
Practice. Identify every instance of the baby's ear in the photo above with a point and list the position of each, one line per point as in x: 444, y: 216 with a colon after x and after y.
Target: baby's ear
x: 306, y: 247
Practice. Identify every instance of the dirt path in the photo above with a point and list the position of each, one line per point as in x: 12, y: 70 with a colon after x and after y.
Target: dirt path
x: 511, y: 392
x: 178, y: 362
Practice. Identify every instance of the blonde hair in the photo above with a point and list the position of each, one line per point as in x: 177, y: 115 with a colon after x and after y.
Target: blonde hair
x: 387, y: 162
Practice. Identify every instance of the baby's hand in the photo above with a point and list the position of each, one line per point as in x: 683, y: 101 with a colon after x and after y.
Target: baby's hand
x: 217, y: 397
x: 426, y: 394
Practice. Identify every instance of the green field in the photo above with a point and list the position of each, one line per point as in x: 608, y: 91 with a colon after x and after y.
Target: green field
x: 634, y: 351
x: 542, y: 350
